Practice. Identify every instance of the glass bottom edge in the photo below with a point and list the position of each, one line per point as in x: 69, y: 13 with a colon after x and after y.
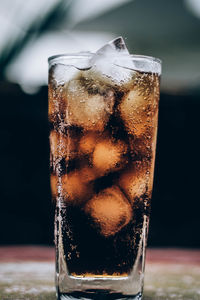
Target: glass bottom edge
x: 97, y: 295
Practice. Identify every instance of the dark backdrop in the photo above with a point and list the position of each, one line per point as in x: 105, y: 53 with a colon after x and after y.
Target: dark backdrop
x: 26, y: 215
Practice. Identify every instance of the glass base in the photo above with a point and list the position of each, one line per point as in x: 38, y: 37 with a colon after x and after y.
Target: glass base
x: 98, y: 295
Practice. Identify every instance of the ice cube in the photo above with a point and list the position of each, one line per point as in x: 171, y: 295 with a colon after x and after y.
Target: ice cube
x: 76, y: 189
x: 115, y: 46
x: 135, y: 112
x: 62, y: 146
x: 58, y: 145
x: 143, y: 146
x: 53, y: 105
x: 109, y: 155
x: 113, y: 62
x: 140, y: 104
x: 61, y: 73
x: 87, y: 174
x: 56, y: 108
x: 88, y: 142
x: 54, y: 186
x: 134, y: 181
x: 109, y: 210
x: 90, y: 111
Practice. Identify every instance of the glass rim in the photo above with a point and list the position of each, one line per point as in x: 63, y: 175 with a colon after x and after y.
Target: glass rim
x: 89, y: 54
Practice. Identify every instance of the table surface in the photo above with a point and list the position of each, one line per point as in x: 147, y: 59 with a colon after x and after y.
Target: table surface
x: 28, y: 273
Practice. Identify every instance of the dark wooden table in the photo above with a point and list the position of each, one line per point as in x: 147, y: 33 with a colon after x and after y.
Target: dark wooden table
x: 28, y: 273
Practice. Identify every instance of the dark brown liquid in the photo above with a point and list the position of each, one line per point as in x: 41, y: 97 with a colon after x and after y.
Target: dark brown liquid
x: 102, y: 158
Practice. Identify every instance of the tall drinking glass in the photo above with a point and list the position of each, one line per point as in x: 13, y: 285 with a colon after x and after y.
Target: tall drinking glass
x: 103, y: 140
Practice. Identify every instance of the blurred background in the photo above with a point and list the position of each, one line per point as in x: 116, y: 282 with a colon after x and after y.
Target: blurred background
x: 33, y: 30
